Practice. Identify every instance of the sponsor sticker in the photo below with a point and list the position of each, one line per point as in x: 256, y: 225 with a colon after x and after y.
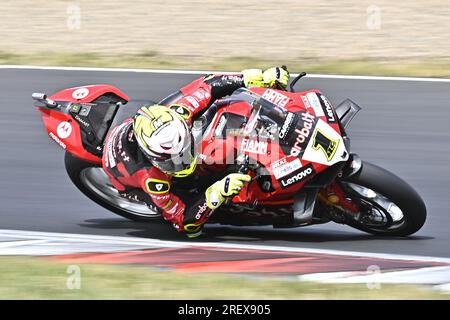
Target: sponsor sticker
x: 282, y: 167
x: 80, y: 93
x: 83, y: 122
x: 193, y: 101
x: 297, y: 176
x: 327, y: 109
x: 220, y: 126
x: 254, y: 146
x: 315, y: 104
x: 64, y: 130
x: 155, y: 186
x: 57, y: 140
x: 85, y: 110
x: 306, y: 102
x: 275, y: 97
x: 302, y: 134
x: 200, y: 210
x: 75, y: 108
x: 231, y: 78
x: 327, y: 145
x: 201, y: 94
x: 287, y: 125
x: 184, y: 112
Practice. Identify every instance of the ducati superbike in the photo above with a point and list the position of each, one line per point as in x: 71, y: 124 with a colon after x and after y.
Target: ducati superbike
x: 294, y: 145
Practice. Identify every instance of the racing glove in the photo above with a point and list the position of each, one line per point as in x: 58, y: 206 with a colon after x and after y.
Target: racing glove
x: 253, y: 78
x: 276, y: 75
x: 228, y: 186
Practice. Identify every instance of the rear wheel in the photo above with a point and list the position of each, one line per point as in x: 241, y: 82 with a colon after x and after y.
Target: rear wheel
x: 388, y: 205
x: 93, y: 182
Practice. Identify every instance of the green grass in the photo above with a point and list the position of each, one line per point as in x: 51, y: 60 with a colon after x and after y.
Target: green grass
x: 39, y: 278
x: 432, y: 67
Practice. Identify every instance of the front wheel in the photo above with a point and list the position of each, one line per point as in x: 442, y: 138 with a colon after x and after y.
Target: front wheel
x: 93, y: 182
x: 388, y: 205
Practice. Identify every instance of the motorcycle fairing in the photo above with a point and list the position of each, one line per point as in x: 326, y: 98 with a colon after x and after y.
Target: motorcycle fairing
x: 288, y: 171
x: 80, y: 122
x: 87, y: 94
x: 326, y: 146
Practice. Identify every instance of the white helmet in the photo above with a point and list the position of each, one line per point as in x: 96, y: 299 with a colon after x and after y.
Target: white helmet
x: 164, y: 137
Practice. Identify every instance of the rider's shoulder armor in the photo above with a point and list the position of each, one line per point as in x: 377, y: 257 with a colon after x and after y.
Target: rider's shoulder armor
x: 125, y: 150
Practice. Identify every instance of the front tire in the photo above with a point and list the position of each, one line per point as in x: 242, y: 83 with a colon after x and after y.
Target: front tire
x: 93, y: 182
x: 383, y: 184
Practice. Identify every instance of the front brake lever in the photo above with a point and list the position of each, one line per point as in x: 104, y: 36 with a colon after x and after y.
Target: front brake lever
x: 243, y: 168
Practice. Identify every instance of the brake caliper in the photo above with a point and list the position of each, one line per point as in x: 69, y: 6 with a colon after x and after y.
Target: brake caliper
x: 334, y: 196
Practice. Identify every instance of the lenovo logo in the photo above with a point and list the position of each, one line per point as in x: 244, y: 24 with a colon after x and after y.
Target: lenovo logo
x: 328, y: 109
x: 298, y: 176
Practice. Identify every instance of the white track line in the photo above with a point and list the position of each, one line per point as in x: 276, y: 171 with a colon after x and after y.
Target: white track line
x: 151, y: 243
x: 20, y: 243
x: 428, y: 275
x: 166, y: 71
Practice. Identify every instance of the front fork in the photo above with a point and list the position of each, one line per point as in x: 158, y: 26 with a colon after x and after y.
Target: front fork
x: 334, y: 195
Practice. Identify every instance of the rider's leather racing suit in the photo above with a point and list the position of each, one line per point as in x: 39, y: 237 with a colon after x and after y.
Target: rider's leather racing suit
x: 130, y: 172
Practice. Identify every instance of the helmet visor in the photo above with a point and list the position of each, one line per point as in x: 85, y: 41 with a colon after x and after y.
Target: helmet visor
x: 178, y: 165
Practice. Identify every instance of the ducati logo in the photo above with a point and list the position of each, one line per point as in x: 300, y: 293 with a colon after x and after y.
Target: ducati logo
x: 155, y: 186
x: 181, y: 110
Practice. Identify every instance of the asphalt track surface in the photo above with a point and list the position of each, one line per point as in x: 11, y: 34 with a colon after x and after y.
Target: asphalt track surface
x: 403, y: 127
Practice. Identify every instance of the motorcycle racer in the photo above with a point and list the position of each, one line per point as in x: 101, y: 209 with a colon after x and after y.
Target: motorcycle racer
x: 143, y: 154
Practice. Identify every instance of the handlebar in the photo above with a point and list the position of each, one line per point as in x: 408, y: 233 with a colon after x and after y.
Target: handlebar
x: 301, y: 75
x: 243, y: 168
x: 42, y: 97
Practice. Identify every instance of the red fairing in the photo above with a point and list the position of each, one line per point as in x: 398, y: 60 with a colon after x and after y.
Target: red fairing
x: 297, y: 101
x: 85, y: 94
x: 267, y: 153
x: 66, y: 133
x: 63, y: 129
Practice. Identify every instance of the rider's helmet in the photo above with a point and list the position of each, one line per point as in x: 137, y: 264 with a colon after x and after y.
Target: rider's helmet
x: 165, y: 139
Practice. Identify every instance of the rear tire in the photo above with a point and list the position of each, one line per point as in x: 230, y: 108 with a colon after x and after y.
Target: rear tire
x: 75, y: 168
x: 396, y: 190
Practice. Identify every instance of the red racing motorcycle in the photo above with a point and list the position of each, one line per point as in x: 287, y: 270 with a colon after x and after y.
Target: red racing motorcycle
x: 293, y: 144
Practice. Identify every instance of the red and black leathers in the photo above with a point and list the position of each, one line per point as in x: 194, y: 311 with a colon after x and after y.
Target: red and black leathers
x: 128, y: 168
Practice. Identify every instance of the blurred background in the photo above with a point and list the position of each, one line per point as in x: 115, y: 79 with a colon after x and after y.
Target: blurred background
x: 342, y: 36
